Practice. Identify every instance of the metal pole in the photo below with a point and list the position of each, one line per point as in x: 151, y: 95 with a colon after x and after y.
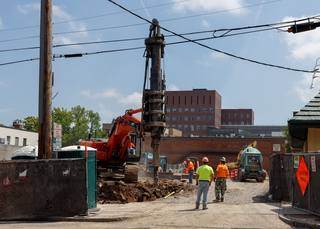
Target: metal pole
x: 45, y: 81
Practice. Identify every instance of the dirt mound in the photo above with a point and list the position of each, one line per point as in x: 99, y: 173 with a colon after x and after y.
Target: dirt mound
x: 120, y: 192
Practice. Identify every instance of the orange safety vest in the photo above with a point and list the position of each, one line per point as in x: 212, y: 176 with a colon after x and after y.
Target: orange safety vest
x: 190, y: 166
x: 130, y: 145
x: 222, y: 171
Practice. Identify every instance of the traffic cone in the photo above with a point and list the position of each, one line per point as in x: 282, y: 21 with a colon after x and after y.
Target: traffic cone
x: 232, y: 174
x: 236, y: 173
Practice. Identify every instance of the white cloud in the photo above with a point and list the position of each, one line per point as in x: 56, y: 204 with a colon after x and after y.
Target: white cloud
x: 303, y: 87
x: 1, y: 26
x: 172, y: 87
x: 25, y: 9
x: 304, y: 45
x: 205, y: 23
x: 208, y: 60
x: 134, y: 100
x: 214, y: 5
x: 5, y: 110
x: 107, y: 114
x: 108, y: 93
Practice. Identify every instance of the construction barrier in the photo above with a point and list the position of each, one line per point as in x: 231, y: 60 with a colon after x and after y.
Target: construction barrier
x: 232, y: 174
x: 228, y: 177
x: 236, y: 173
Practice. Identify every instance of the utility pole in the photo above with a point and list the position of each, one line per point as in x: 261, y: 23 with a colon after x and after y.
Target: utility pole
x: 153, y: 98
x: 45, y: 81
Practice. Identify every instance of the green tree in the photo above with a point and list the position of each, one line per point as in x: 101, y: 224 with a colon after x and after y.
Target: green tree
x: 63, y: 116
x: 31, y: 123
x: 286, y: 137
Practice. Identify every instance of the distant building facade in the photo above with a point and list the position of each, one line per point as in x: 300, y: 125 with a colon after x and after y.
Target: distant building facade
x: 193, y: 112
x: 17, y: 137
x: 198, y: 111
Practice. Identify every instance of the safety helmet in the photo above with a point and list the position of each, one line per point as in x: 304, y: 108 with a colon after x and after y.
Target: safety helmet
x: 223, y: 159
x: 205, y: 159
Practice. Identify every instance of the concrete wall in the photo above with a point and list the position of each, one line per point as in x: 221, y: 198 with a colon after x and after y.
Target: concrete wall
x: 179, y: 149
x: 6, y: 151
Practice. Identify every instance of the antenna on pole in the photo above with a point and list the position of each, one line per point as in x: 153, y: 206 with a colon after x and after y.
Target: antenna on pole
x: 316, y: 72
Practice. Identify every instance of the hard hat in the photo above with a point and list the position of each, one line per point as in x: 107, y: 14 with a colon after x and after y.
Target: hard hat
x: 223, y: 159
x: 205, y: 159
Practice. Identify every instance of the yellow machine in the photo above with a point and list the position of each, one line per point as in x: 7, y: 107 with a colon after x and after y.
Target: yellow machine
x: 236, y: 165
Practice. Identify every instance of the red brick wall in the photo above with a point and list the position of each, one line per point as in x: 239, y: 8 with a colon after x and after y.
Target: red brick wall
x: 177, y: 149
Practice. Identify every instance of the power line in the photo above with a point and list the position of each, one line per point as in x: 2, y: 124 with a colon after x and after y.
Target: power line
x: 19, y: 61
x: 15, y: 39
x: 238, y: 57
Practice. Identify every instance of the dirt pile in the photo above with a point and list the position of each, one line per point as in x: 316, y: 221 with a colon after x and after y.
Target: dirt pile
x: 120, y: 192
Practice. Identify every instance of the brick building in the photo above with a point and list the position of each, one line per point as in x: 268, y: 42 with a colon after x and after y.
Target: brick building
x: 237, y: 117
x: 179, y: 149
x: 193, y: 112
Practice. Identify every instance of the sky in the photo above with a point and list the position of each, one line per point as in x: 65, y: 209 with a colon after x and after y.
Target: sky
x: 111, y: 82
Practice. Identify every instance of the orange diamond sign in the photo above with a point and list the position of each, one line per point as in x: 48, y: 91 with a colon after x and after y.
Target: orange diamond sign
x: 303, y: 175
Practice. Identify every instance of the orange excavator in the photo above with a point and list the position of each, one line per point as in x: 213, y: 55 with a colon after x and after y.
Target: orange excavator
x: 122, y: 150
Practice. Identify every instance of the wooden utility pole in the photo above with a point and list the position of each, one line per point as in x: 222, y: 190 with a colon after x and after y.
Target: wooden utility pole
x: 45, y: 81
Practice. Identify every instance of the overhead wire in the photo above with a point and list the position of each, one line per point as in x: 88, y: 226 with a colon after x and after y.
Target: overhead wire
x: 205, y: 46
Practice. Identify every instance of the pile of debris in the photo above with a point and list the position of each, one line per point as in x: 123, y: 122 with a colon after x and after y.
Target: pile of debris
x: 120, y: 192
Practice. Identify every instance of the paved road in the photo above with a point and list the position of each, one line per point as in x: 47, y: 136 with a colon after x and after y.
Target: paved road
x: 252, y: 211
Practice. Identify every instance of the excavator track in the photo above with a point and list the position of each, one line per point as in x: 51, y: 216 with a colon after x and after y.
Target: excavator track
x: 131, y: 173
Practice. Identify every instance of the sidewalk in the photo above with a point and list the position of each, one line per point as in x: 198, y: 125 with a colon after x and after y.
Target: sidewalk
x: 298, y: 218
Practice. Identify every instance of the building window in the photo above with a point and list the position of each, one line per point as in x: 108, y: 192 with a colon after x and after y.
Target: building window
x: 230, y: 115
x: 168, y: 126
x: 211, y: 110
x: 236, y: 115
x: 168, y: 118
x: 180, y: 118
x: 210, y: 118
x: 198, y: 127
x: 185, y: 118
x: 223, y: 123
x: 230, y: 123
x: 204, y: 110
x: 8, y: 140
x: 204, y: 127
x: 204, y: 118
x: 248, y: 123
x: 224, y: 116
x: 204, y: 136
x: 186, y: 110
x: 180, y: 110
x: 185, y: 135
x: 242, y: 123
x: 179, y: 127
x: 192, y: 118
x: 235, y: 123
x: 198, y: 118
x: 198, y: 110
x: 16, y: 142
x: 174, y: 110
x: 168, y: 110
x: 185, y: 127
x: 173, y: 118
x: 191, y: 127
x: 248, y: 115
x: 241, y: 115
x: 173, y: 126
x: 191, y: 110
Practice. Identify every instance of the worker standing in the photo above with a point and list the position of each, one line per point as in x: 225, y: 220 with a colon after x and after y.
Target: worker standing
x: 221, y: 180
x: 190, y: 170
x: 204, y: 178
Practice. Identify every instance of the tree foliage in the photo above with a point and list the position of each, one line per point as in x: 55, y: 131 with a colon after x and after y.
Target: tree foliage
x: 76, y: 123
x: 286, y: 137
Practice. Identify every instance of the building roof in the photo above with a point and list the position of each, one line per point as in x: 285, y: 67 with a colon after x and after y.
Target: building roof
x: 307, y: 117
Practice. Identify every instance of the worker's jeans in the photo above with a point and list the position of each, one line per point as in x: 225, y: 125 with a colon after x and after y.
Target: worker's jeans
x: 203, y: 187
x: 190, y: 175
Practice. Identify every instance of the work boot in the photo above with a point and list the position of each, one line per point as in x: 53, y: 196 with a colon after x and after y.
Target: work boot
x: 197, y: 207
x: 221, y: 199
x: 216, y: 200
x: 205, y: 208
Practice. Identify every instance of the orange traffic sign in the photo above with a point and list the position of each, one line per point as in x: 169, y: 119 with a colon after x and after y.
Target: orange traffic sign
x: 303, y: 175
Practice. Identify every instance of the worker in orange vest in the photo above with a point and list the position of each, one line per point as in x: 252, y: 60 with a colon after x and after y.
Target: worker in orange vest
x: 221, y: 180
x: 190, y: 170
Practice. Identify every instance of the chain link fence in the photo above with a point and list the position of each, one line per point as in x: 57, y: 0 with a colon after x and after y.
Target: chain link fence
x: 42, y: 188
